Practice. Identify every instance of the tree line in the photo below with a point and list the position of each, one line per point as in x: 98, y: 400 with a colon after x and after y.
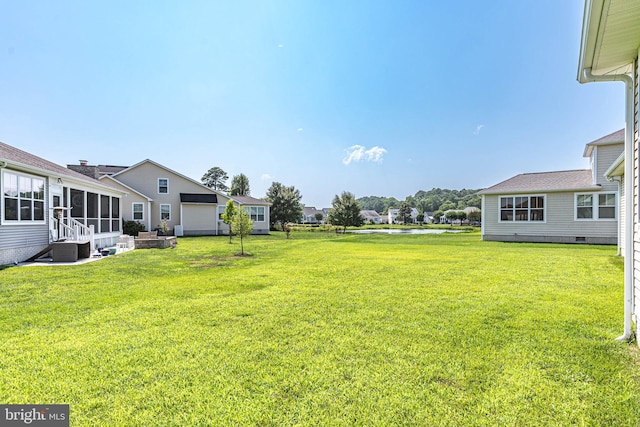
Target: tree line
x: 436, y: 199
x: 286, y: 201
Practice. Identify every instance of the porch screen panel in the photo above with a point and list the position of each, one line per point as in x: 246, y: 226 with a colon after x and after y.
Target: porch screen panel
x: 104, y: 214
x: 115, y: 214
x: 77, y: 204
x: 92, y: 210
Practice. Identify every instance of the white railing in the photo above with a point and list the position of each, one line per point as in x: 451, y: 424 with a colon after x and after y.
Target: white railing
x: 70, y: 229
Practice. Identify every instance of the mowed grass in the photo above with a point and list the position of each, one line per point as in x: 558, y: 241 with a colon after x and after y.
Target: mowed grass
x: 325, y: 329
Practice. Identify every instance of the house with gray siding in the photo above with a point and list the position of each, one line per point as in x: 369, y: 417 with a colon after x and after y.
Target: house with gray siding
x: 154, y: 193
x: 573, y: 206
x: 86, y: 210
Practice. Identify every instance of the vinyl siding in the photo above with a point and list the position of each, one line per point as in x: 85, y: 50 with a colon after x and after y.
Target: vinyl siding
x: 21, y: 241
x: 144, y: 178
x: 559, y: 226
x: 199, y: 219
x: 605, y: 156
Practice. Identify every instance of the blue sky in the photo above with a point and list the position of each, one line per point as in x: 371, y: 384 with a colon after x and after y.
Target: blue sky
x: 372, y: 97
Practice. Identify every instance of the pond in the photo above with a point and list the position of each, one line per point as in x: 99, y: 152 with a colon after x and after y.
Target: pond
x: 405, y: 231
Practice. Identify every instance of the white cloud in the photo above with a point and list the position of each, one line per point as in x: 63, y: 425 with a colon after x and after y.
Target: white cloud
x: 478, y: 129
x: 299, y: 129
x: 357, y: 153
x: 266, y: 177
x: 280, y: 45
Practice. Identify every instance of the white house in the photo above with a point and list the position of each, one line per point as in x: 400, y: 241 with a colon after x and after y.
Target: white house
x: 371, y: 217
x: 392, y: 215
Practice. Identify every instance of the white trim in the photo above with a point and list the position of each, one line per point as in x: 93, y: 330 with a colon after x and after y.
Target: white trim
x: 45, y: 196
x: 264, y: 212
x: 165, y: 204
x: 158, y: 188
x: 595, y: 207
x: 133, y: 211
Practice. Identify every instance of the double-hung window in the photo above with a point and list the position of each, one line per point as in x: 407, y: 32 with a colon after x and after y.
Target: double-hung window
x: 522, y: 208
x: 22, y: 197
x: 595, y: 206
x: 165, y: 212
x: 138, y: 211
x: 163, y: 186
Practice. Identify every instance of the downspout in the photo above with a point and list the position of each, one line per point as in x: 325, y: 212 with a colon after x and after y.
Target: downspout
x: 628, y: 195
x: 149, y: 216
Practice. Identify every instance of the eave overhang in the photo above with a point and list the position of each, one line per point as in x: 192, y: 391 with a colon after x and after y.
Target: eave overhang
x: 616, y: 169
x: 610, y: 38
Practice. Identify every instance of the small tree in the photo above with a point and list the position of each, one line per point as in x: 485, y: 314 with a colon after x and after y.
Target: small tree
x: 451, y: 216
x: 462, y: 215
x: 346, y: 211
x: 240, y: 185
x: 227, y: 216
x: 243, y: 226
x: 420, y: 218
x: 216, y: 179
x: 475, y: 216
x: 319, y: 217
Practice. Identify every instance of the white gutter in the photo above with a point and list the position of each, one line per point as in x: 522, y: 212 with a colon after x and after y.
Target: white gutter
x: 628, y: 195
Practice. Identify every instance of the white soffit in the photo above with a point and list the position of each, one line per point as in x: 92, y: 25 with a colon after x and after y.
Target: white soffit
x: 612, y: 36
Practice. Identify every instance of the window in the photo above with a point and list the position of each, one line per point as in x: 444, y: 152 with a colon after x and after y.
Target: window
x: 221, y: 210
x: 584, y: 206
x: 596, y: 206
x: 165, y: 212
x: 607, y: 206
x: 163, y: 186
x: 138, y: 211
x: 522, y: 208
x: 256, y: 213
x: 23, y: 197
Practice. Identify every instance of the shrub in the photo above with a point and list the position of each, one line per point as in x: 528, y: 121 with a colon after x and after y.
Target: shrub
x: 132, y: 228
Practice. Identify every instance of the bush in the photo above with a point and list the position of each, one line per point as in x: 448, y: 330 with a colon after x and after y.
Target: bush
x: 132, y: 228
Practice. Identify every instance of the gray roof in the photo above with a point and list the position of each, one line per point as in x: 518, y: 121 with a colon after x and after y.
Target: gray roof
x: 545, y: 181
x: 19, y: 157
x: 616, y: 137
x: 248, y: 200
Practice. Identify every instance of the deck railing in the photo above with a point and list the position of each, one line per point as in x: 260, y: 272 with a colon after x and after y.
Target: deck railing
x: 71, y: 229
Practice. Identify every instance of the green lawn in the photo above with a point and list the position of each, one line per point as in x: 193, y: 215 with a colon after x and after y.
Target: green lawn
x: 325, y: 329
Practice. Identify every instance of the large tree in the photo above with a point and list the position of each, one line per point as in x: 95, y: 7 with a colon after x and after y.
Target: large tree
x: 404, y: 213
x: 240, y: 185
x: 216, y: 179
x: 285, y: 204
x: 345, y: 211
